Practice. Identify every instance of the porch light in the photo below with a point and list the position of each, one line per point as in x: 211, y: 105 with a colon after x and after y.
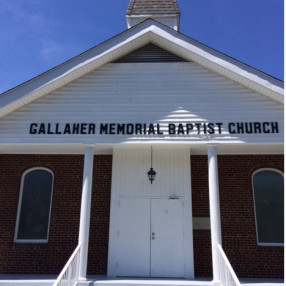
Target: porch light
x: 151, y: 173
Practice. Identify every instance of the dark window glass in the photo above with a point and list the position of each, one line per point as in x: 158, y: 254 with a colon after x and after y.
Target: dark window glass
x: 35, y: 205
x: 269, y: 205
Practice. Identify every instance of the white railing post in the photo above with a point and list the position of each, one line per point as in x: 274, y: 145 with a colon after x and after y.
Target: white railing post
x: 69, y: 274
x: 226, y: 272
x: 85, y: 211
x: 214, y: 210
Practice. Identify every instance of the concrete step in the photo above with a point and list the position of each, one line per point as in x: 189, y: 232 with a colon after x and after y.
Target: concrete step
x: 151, y: 282
x: 27, y: 280
x: 48, y: 280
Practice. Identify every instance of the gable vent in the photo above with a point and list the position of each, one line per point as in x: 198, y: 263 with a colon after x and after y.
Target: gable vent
x: 150, y: 54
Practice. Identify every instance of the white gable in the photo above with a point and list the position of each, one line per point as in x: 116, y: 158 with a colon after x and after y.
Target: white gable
x: 185, y: 103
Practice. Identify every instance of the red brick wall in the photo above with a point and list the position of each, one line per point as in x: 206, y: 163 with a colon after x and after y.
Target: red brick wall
x: 200, y: 201
x: 100, y: 211
x: 64, y: 225
x: 237, y: 216
x: 238, y: 224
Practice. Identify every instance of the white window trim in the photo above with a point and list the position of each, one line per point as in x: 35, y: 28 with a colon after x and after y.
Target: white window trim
x: 16, y: 240
x: 257, y: 240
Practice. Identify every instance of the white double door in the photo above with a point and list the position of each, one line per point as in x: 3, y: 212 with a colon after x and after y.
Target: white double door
x: 150, y: 238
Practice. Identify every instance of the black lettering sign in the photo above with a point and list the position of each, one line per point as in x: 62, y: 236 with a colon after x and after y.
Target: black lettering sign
x: 67, y: 129
x: 248, y: 127
x: 198, y: 125
x: 112, y: 128
x: 57, y: 129
x: 138, y: 128
x: 130, y: 129
x: 172, y: 128
x: 189, y: 127
x: 33, y: 128
x: 219, y: 125
x: 181, y: 129
x: 158, y: 129
x: 274, y: 126
x: 257, y: 127
x: 265, y: 127
x: 91, y: 128
x: 75, y: 128
x: 151, y: 129
x: 211, y: 129
x: 103, y: 129
x: 231, y: 128
x: 42, y: 129
x: 83, y: 128
x: 121, y: 129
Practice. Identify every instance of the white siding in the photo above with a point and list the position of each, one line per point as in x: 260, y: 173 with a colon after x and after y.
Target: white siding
x: 146, y: 93
x: 130, y: 167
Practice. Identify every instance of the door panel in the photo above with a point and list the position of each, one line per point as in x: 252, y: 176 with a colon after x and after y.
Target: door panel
x: 163, y: 254
x: 134, y: 238
x: 167, y: 243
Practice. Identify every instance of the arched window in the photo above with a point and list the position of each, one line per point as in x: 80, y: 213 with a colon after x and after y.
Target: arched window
x: 268, y: 190
x: 34, y: 206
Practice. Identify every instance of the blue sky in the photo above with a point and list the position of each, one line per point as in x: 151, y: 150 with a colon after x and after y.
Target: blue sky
x: 37, y: 35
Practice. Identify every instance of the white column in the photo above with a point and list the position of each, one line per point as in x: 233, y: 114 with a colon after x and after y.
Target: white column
x: 85, y: 210
x: 214, y: 209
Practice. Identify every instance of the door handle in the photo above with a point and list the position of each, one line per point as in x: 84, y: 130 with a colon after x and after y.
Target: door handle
x: 153, y: 236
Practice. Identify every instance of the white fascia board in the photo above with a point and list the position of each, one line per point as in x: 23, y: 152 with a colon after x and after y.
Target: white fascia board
x: 132, y: 39
x: 171, y: 21
x: 105, y: 148
x: 136, y: 19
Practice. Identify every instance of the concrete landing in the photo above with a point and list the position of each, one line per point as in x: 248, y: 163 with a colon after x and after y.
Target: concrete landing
x: 261, y: 282
x: 48, y: 280
x: 124, y: 281
x: 27, y: 280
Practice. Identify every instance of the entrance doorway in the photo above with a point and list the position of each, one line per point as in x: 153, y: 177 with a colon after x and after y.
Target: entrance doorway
x: 151, y: 224
x: 151, y: 239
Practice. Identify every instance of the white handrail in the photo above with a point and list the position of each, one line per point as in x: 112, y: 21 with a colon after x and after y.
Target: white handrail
x: 69, y: 274
x: 227, y: 275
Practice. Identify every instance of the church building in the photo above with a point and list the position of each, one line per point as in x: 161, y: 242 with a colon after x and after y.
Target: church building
x: 148, y: 156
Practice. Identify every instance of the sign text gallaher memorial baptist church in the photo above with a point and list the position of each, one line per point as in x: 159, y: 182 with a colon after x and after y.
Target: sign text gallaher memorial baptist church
x: 196, y: 128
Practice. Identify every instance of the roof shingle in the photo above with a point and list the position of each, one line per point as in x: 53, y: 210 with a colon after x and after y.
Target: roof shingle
x: 143, y: 7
